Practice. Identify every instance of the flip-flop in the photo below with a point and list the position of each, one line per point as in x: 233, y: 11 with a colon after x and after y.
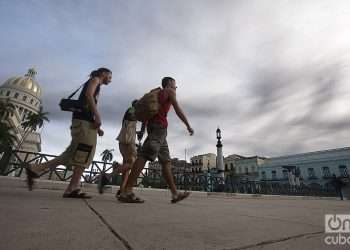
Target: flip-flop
x: 130, y: 198
x: 76, y: 194
x: 117, y: 194
x: 180, y: 197
x: 31, y: 175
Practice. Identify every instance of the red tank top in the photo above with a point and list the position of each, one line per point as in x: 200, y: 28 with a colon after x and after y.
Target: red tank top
x: 165, y: 105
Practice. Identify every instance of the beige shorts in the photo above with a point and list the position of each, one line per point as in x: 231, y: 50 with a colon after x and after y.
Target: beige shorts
x: 128, y: 152
x: 81, y: 151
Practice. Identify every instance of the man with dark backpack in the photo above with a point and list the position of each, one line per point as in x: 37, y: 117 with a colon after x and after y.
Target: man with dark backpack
x: 156, y: 144
x: 86, y: 124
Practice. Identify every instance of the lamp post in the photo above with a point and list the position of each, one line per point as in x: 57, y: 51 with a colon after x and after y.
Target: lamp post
x: 220, y: 158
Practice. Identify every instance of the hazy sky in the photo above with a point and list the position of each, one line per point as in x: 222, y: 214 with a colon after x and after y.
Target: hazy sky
x: 274, y: 75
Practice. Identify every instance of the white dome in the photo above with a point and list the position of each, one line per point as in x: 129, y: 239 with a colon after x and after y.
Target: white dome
x: 25, y: 83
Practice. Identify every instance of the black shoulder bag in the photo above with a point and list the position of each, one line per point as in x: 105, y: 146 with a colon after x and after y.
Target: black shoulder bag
x: 72, y: 105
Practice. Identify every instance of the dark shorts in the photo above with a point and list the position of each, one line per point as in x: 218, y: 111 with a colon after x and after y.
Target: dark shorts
x: 155, y: 144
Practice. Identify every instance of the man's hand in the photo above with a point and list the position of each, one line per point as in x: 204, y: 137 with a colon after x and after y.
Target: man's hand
x: 97, y: 121
x: 190, y: 130
x: 100, y: 132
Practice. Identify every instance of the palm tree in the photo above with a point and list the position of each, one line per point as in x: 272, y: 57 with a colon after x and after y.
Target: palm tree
x: 33, y: 122
x: 107, y: 156
x: 7, y: 140
x: 6, y: 109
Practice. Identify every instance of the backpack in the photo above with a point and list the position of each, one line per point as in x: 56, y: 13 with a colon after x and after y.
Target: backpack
x: 148, y: 106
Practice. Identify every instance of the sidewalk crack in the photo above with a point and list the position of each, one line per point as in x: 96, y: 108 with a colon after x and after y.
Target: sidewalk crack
x: 110, y: 228
x: 268, y: 242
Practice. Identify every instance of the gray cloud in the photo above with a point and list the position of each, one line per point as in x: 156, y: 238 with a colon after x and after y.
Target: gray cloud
x: 274, y: 85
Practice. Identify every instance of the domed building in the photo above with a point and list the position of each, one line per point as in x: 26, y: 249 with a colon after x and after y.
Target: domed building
x: 24, y: 93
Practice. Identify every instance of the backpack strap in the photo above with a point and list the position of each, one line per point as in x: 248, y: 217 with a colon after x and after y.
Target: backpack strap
x: 71, y: 95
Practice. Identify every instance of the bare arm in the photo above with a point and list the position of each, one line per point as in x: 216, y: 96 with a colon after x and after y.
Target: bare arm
x: 178, y: 110
x: 94, y: 82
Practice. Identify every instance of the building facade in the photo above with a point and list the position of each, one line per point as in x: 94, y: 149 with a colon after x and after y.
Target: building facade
x: 24, y: 93
x: 204, y: 162
x: 313, y: 168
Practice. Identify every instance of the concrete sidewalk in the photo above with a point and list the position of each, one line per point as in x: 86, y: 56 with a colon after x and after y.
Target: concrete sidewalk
x: 43, y: 220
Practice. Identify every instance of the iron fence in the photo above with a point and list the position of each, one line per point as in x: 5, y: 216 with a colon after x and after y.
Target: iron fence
x: 14, y: 162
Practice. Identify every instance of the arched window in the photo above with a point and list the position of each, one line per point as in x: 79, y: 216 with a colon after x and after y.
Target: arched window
x: 16, y: 95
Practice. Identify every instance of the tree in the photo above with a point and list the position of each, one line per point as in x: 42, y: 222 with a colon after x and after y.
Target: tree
x: 107, y: 155
x: 7, y: 139
x: 33, y: 122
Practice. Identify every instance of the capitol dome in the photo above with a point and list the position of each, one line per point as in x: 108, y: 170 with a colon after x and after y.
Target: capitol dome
x: 25, y: 83
x: 24, y: 92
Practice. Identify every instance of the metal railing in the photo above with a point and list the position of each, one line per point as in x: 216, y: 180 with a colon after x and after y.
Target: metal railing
x: 14, y: 162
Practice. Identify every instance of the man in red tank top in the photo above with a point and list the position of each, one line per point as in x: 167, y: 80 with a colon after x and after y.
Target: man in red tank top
x: 156, y: 144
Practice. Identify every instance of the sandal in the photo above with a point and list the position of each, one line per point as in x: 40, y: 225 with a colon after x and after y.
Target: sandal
x: 76, y: 194
x: 130, y: 198
x: 117, y: 194
x: 31, y: 175
x: 180, y: 197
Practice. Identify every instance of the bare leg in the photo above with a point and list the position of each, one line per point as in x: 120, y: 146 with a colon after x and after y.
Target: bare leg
x: 168, y: 175
x: 128, y: 163
x: 45, y: 166
x: 134, y: 174
x: 169, y: 178
x: 75, y: 180
x: 124, y: 180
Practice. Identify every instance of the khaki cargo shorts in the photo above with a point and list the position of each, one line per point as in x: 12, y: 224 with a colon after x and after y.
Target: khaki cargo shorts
x: 155, y: 144
x: 81, y: 151
x: 128, y: 152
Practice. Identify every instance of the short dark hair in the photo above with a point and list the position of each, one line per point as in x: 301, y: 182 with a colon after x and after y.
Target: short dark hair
x: 99, y: 72
x: 166, y: 81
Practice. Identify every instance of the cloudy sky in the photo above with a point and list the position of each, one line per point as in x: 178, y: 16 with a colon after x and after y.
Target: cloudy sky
x: 274, y: 75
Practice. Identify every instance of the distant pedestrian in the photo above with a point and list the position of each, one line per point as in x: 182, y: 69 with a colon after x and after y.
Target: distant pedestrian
x: 156, y: 144
x: 338, y: 185
x: 86, y: 125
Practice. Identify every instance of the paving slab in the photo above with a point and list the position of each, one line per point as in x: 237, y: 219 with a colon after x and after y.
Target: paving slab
x: 42, y: 219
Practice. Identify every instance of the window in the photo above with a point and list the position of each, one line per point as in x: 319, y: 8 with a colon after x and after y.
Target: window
x: 31, y: 101
x: 246, y: 170
x: 343, y: 171
x: 263, y: 175
x: 285, y: 174
x: 24, y: 98
x: 231, y: 166
x: 311, y: 173
x: 226, y: 168
x: 326, y: 172
x: 8, y: 93
x: 1, y: 92
x: 16, y: 95
x: 274, y: 175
